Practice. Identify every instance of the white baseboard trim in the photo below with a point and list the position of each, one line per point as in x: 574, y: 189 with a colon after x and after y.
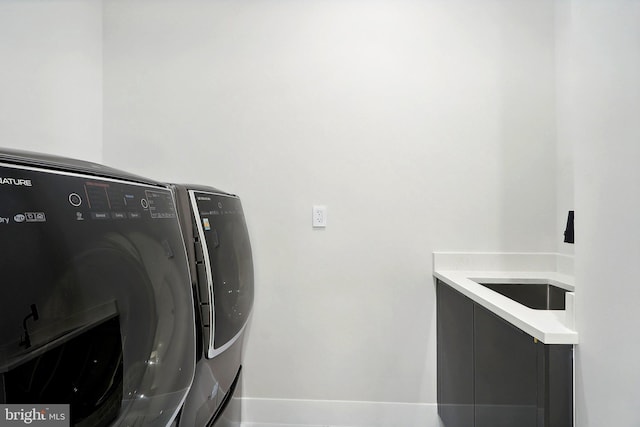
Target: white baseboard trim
x: 258, y: 412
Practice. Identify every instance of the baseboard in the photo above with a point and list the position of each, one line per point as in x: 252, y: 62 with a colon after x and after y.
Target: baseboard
x: 334, y: 413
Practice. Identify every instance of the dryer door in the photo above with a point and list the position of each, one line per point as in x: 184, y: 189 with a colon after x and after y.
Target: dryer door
x: 96, y: 309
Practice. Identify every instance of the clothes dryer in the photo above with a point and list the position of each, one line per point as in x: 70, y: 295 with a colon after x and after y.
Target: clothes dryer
x: 221, y: 263
x: 96, y: 304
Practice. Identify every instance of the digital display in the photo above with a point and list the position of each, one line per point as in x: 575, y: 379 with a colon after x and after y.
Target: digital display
x: 160, y: 204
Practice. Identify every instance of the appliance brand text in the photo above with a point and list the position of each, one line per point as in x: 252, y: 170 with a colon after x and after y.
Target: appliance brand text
x: 14, y: 181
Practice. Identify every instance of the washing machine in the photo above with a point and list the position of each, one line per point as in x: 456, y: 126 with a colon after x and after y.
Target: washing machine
x: 221, y: 263
x: 96, y: 303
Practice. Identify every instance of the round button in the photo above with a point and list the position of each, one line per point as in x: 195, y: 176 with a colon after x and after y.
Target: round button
x: 144, y: 203
x: 75, y: 199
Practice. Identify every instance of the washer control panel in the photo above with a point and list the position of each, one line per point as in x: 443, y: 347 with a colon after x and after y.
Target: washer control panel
x: 32, y: 196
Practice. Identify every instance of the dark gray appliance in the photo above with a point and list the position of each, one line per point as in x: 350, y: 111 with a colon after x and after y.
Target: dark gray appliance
x: 96, y: 304
x: 220, y: 258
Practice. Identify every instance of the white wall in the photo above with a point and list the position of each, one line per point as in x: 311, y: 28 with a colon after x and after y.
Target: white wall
x: 601, y: 75
x: 421, y: 125
x: 564, y: 108
x: 51, y: 77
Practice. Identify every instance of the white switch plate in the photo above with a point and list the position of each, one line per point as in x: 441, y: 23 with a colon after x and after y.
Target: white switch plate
x: 319, y: 216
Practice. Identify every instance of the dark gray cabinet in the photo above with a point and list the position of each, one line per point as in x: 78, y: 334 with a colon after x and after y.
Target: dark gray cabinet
x: 505, y: 373
x: 492, y: 374
x: 455, y: 357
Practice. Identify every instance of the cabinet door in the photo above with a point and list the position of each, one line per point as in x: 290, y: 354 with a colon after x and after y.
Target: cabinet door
x: 506, y: 367
x: 558, y: 385
x: 455, y: 357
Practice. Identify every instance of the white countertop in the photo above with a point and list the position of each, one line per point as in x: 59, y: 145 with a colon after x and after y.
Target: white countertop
x: 548, y: 326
